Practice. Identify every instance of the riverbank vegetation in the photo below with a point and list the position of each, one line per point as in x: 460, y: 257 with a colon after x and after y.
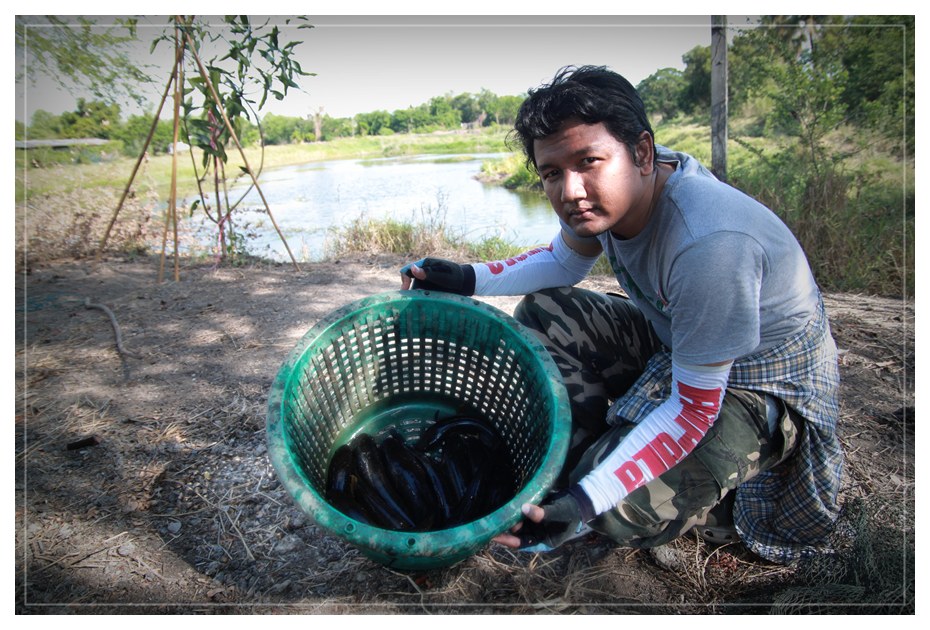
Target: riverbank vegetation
x: 820, y: 130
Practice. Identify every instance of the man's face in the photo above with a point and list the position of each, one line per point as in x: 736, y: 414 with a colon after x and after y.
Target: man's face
x: 592, y: 182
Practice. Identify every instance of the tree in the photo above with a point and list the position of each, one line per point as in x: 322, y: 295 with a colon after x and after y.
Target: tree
x: 337, y: 127
x: 878, y: 53
x: 44, y: 125
x: 443, y: 114
x: 218, y: 102
x: 80, y: 55
x: 132, y: 134
x: 469, y: 106
x: 278, y: 129
x: 662, y: 92
x: 507, y: 107
x: 91, y: 119
x: 255, y: 61
x: 373, y: 123
x: 696, y: 93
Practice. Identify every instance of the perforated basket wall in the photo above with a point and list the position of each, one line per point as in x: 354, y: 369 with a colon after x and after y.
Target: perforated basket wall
x: 396, y: 360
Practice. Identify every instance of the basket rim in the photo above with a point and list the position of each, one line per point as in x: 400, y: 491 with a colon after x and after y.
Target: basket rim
x: 390, y: 543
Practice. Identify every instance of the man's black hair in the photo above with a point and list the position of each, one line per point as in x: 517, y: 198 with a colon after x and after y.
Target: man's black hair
x: 592, y: 94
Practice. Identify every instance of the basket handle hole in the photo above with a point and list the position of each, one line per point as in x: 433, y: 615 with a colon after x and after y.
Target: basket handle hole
x: 411, y: 542
x: 349, y: 528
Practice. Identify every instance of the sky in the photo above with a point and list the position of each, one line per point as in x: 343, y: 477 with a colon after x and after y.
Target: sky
x: 388, y: 62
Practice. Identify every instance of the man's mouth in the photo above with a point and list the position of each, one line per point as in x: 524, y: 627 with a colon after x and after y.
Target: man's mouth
x: 580, y: 213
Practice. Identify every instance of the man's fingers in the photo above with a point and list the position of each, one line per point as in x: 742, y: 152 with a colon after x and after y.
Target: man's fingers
x: 508, y: 540
x: 406, y: 280
x: 533, y: 512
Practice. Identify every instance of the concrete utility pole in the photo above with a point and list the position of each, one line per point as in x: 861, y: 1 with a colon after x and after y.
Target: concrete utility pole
x: 718, y: 96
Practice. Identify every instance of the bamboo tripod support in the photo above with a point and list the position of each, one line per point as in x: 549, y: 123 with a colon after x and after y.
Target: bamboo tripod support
x: 171, y: 216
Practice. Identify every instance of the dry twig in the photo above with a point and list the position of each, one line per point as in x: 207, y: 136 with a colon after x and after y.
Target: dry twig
x: 116, y: 329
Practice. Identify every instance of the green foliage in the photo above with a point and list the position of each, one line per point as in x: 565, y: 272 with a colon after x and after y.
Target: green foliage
x: 856, y: 227
x: 511, y: 171
x: 428, y: 236
x: 286, y: 129
x: 492, y: 248
x: 80, y: 55
x: 523, y: 179
x: 695, y: 96
x: 92, y: 119
x: 337, y: 128
x: 879, y: 92
x: 255, y: 61
x: 44, y: 126
x: 134, y: 131
x: 661, y: 93
x: 373, y: 123
x: 468, y: 106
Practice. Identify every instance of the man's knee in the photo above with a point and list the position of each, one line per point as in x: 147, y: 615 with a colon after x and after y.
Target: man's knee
x: 536, y: 309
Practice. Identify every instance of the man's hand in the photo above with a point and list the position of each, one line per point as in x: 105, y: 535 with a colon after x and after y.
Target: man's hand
x: 560, y: 518
x: 436, y: 274
x: 409, y: 273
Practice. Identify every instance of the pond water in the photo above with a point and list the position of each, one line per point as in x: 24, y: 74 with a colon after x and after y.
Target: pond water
x: 309, y: 201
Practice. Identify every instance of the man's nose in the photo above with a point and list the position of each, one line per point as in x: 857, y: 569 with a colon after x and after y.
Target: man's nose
x: 572, y: 186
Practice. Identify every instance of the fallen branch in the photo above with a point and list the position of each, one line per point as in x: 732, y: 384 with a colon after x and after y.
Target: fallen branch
x: 116, y: 330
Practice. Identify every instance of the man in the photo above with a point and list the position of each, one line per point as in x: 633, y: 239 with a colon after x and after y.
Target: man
x: 706, y: 398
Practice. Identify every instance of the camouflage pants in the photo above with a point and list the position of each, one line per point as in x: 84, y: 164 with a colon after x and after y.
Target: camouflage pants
x: 601, y: 344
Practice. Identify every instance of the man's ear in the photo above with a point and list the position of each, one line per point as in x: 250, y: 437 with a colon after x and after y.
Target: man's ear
x: 645, y: 153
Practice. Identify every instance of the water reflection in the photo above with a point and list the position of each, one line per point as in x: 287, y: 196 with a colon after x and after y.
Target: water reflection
x: 308, y: 200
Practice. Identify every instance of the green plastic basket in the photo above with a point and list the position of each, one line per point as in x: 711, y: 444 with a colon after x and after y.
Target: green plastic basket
x: 395, y: 360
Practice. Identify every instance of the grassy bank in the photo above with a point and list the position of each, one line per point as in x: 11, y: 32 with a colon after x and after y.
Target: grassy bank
x: 34, y: 179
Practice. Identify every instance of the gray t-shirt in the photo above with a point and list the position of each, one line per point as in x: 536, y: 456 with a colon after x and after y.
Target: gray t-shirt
x: 718, y: 274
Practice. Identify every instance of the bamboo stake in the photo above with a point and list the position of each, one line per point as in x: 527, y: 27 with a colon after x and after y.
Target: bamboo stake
x: 174, y: 166
x: 171, y: 217
x: 232, y: 133
x: 142, y: 153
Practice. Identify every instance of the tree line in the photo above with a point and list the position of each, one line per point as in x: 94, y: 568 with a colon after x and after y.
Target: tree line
x: 98, y: 119
x: 797, y: 75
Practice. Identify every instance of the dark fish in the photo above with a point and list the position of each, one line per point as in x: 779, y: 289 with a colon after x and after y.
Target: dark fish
x: 349, y: 506
x: 375, y: 490
x: 442, y: 429
x: 341, y: 477
x: 471, y: 502
x: 409, y: 478
x: 458, y: 470
x: 443, y: 505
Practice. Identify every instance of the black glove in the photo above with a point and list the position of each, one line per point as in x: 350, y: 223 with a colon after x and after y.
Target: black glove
x: 443, y: 275
x: 566, y: 512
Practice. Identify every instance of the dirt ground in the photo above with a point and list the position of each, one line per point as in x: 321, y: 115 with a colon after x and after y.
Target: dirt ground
x: 143, y: 483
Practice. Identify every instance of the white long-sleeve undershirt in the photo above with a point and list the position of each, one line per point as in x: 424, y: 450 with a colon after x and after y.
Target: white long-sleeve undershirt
x: 557, y: 265
x: 661, y: 439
